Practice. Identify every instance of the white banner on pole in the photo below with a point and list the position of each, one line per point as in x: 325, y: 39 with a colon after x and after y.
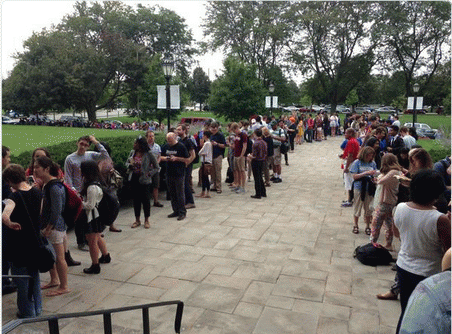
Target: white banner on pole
x: 161, y: 97
x: 268, y: 100
x: 174, y: 95
x: 419, y: 102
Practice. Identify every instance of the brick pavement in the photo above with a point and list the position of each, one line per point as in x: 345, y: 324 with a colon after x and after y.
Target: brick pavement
x: 282, y: 264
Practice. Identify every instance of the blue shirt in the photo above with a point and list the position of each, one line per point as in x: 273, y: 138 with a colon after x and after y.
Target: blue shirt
x: 359, y: 167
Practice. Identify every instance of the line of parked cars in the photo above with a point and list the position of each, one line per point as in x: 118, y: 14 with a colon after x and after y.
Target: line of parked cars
x: 423, y: 130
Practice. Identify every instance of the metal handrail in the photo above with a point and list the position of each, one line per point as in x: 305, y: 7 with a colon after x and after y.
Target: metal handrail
x: 53, y: 319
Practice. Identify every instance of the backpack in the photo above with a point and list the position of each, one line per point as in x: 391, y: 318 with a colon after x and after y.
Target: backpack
x: 108, y: 207
x: 370, y: 255
x: 284, y: 145
x: 73, y: 205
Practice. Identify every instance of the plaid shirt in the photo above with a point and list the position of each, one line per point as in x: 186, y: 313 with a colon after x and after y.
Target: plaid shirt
x: 260, y: 150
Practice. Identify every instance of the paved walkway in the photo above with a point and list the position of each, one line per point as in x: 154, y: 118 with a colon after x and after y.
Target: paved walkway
x: 282, y: 264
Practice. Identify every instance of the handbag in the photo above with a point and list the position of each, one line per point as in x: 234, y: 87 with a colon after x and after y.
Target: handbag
x: 44, y: 257
x: 116, y: 180
x: 207, y: 169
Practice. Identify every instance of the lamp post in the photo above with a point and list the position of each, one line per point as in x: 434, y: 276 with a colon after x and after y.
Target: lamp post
x: 168, y: 70
x: 271, y: 89
x: 415, y: 90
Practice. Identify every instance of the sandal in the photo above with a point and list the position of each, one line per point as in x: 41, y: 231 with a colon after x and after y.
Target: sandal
x: 367, y: 231
x: 147, y: 225
x: 136, y: 224
x: 355, y: 229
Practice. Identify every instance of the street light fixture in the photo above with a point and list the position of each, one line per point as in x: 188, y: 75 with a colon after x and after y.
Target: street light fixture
x: 415, y: 90
x: 271, y: 89
x: 168, y: 70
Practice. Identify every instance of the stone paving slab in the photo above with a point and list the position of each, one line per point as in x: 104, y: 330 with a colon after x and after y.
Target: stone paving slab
x: 282, y: 264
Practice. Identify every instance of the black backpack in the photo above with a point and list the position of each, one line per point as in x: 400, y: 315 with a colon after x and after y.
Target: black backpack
x: 108, y: 207
x: 370, y: 255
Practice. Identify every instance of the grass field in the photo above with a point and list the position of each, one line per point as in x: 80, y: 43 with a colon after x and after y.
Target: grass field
x: 22, y: 138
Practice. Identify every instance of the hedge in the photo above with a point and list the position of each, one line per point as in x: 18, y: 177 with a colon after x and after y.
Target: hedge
x: 120, y: 149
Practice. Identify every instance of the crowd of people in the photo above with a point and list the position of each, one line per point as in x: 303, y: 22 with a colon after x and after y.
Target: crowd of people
x: 394, y: 182
x: 387, y: 176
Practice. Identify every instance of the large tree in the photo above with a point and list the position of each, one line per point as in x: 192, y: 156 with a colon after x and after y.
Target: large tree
x: 199, y: 86
x: 238, y: 93
x: 105, y: 51
x: 332, y: 40
x: 416, y: 37
x: 256, y: 32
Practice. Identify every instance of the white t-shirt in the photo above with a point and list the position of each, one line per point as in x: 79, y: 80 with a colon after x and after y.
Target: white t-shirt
x: 205, y: 152
x: 421, y: 251
x: 409, y: 141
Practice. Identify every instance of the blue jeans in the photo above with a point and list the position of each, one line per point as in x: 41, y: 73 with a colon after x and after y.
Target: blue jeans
x: 29, y: 301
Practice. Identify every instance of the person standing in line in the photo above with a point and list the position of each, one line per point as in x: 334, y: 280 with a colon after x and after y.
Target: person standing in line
x: 408, y: 140
x: 240, y: 144
x: 309, y: 128
x: 181, y: 131
x: 53, y: 225
x: 270, y: 152
x: 363, y: 169
x: 396, y: 142
x: 92, y: 195
x: 20, y: 217
x: 156, y: 151
x: 258, y: 157
x: 424, y: 233
x: 141, y: 165
x: 7, y: 285
x: 350, y: 154
x: 278, y: 136
x: 73, y: 175
x: 175, y: 154
x: 206, y: 158
x: 218, y: 148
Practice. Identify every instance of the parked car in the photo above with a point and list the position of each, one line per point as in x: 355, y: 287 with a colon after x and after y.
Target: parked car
x: 9, y: 120
x: 386, y: 110
x: 410, y: 111
x: 423, y: 130
x: 14, y: 114
x: 361, y: 110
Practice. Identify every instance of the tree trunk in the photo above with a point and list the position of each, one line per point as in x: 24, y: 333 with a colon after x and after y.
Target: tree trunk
x: 91, y: 111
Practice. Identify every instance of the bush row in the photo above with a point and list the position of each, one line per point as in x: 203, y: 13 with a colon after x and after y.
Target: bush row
x: 120, y: 149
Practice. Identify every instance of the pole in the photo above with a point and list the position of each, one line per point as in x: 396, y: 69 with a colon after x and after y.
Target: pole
x: 271, y: 104
x: 414, y: 111
x: 168, y: 101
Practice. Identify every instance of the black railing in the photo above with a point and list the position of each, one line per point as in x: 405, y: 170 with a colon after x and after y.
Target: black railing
x: 54, y: 327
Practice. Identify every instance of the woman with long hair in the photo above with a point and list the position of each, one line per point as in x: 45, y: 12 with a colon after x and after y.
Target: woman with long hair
x: 385, y: 199
x: 141, y: 165
x: 92, y: 194
x: 21, y: 218
x: 363, y: 169
x: 53, y: 225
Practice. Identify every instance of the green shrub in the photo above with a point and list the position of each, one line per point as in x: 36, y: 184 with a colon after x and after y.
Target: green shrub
x: 120, y: 149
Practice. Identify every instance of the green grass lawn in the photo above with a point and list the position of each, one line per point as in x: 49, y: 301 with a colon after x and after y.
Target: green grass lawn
x: 22, y: 138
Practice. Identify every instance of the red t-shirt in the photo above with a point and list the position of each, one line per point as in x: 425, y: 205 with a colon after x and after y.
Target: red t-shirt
x: 351, y: 147
x: 239, y: 140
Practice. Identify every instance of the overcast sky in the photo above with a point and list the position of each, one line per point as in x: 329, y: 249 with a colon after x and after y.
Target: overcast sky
x: 21, y: 18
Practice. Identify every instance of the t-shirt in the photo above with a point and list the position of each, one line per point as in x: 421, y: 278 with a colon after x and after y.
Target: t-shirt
x: 20, y: 244
x: 239, y: 141
x: 72, y: 172
x: 409, y: 141
x: 359, y: 167
x: 189, y: 145
x: 269, y: 141
x: 155, y: 149
x: 352, y: 147
x: 175, y: 168
x: 219, y: 138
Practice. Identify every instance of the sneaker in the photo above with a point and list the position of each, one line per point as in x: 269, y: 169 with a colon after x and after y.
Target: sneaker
x: 240, y: 190
x: 278, y: 180
x: 346, y: 205
x: 235, y: 189
x: 272, y: 178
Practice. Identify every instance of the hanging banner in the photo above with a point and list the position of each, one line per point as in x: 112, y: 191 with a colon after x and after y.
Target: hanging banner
x: 268, y: 100
x: 174, y: 97
x: 419, y: 102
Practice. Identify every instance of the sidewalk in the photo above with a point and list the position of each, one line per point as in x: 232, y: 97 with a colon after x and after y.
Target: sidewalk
x: 282, y: 264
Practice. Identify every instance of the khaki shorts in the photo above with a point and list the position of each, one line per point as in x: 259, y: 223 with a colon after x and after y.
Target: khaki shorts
x: 56, y: 237
x: 239, y: 164
x: 348, y: 181
x: 277, y: 156
x: 358, y: 204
